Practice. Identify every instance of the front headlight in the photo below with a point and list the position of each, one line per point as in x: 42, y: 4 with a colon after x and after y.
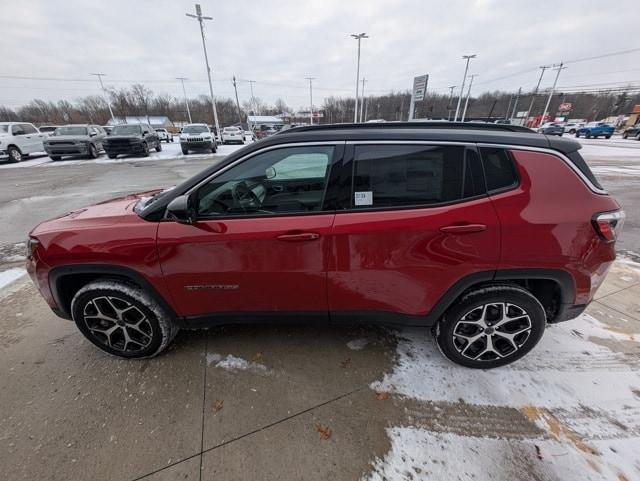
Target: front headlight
x: 32, y: 245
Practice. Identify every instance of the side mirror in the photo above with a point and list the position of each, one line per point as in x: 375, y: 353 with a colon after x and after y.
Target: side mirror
x: 145, y: 132
x: 181, y: 209
x: 92, y: 134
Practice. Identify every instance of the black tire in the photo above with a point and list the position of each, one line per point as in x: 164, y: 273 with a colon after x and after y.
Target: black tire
x: 572, y: 131
x: 112, y: 156
x: 607, y: 136
x: 587, y: 135
x: 14, y: 154
x: 149, y: 328
x: 214, y: 148
x: 159, y: 147
x: 145, y: 149
x: 638, y: 137
x: 519, y: 300
x: 55, y: 157
x: 625, y: 135
x: 93, y: 152
x: 185, y: 151
x: 577, y: 134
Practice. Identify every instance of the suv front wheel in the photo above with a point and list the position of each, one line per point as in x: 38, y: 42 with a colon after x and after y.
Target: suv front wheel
x: 122, y: 319
x: 491, y: 327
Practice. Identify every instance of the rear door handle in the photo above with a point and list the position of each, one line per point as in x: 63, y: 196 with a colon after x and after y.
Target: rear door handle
x: 303, y: 236
x: 463, y: 229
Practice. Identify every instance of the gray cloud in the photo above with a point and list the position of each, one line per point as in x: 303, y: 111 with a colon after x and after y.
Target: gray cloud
x: 278, y: 43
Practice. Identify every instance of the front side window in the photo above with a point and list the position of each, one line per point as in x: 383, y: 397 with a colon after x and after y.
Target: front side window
x: 29, y: 129
x: 277, y: 182
x: 413, y: 175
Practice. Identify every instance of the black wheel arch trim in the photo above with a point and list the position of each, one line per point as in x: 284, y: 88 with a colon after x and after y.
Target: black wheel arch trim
x: 562, y: 278
x: 57, y: 275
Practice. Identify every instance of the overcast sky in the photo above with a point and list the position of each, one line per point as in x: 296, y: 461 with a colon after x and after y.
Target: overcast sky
x: 279, y: 43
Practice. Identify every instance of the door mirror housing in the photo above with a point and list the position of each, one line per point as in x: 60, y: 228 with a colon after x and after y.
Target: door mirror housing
x: 182, y: 210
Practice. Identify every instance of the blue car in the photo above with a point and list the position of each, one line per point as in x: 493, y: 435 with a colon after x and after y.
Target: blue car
x: 595, y: 129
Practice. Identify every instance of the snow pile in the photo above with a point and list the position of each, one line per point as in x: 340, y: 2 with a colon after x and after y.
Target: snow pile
x: 358, y: 344
x: 11, y: 275
x: 233, y: 363
x: 419, y: 454
x: 584, y: 397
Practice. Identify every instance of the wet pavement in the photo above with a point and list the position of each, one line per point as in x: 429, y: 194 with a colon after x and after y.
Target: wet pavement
x: 303, y: 402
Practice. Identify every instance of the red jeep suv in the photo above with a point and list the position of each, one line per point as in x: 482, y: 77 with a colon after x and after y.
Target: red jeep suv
x: 484, y: 233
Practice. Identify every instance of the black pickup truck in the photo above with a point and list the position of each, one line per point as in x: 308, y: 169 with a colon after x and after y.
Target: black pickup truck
x: 130, y: 139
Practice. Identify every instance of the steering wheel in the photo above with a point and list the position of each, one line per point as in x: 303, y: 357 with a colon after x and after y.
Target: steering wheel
x: 241, y: 192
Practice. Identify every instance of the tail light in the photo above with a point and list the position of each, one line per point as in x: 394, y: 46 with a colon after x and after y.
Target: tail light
x: 609, y: 224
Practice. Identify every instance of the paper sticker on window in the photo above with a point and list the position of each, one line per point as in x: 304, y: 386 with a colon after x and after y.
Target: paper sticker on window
x: 363, y: 198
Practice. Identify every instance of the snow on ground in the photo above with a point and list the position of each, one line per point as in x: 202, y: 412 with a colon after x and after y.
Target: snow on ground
x: 11, y: 275
x: 583, y: 396
x: 233, y: 363
x: 169, y: 151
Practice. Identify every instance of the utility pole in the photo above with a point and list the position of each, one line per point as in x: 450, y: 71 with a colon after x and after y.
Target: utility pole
x: 466, y: 103
x: 200, y: 19
x: 515, y: 104
x: 310, y: 79
x: 184, y: 92
x: 535, y: 92
x: 559, y: 68
x: 251, y: 82
x: 235, y: 87
x: 106, y: 99
x: 449, y: 103
x: 464, y: 79
x: 358, y: 37
x: 364, y: 80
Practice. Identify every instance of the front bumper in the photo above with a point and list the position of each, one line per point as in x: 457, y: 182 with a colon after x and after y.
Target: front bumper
x: 67, y: 149
x: 195, y: 144
x: 3, y: 154
x: 123, y: 148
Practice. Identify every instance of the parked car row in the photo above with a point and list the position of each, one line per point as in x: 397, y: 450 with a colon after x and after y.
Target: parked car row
x: 589, y: 130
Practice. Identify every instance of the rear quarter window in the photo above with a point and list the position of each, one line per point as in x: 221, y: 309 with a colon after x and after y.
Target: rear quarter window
x: 499, y: 169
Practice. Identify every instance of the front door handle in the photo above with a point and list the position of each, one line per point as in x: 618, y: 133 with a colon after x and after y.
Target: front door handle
x: 463, y: 228
x: 303, y: 236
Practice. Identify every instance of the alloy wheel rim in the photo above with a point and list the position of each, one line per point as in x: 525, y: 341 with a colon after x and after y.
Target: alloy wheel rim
x: 16, y: 155
x: 492, y: 331
x: 117, y: 324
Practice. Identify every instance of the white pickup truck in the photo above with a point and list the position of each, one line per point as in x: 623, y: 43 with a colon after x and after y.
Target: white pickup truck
x: 18, y: 139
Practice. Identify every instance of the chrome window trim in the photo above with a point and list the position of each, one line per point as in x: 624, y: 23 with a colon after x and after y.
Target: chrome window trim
x: 555, y: 153
x: 410, y: 142
x: 258, y: 152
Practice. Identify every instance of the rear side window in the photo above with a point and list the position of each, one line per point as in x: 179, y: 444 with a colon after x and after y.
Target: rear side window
x: 499, y: 169
x: 582, y: 166
x: 413, y: 175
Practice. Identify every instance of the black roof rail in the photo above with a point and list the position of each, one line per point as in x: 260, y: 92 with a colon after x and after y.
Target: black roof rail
x: 411, y: 125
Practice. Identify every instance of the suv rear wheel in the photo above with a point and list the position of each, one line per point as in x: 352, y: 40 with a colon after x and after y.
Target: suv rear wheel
x: 122, y: 319
x: 491, y: 327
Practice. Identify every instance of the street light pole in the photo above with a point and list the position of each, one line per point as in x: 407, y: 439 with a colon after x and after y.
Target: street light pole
x: 559, y: 68
x: 237, y: 101
x: 184, y: 92
x: 310, y: 79
x: 104, y: 92
x: 449, y: 103
x: 464, y: 79
x: 358, y: 37
x: 364, y: 80
x: 200, y: 19
x: 466, y: 102
x: 515, y: 104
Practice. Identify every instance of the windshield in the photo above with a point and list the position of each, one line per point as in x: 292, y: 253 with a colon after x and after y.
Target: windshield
x: 70, y: 131
x: 126, y: 129
x: 195, y: 129
x: 4, y: 129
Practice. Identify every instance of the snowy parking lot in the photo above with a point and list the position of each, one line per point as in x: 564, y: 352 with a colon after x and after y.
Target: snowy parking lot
x: 308, y: 402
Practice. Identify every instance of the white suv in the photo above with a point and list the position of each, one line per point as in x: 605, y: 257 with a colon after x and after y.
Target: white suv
x: 18, y: 139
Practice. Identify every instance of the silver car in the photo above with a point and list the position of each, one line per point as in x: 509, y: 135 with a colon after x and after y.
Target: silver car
x: 77, y: 140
